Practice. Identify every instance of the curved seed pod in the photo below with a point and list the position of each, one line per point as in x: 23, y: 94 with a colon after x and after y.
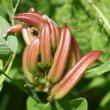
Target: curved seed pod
x: 32, y: 56
x: 55, y: 35
x: 74, y: 75
x: 30, y: 19
x: 15, y: 28
x: 27, y: 74
x: 76, y: 48
x: 45, y: 46
x: 27, y: 35
x: 33, y: 14
x: 61, y: 56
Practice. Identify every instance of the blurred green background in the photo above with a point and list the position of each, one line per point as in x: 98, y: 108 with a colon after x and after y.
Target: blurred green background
x: 89, y: 23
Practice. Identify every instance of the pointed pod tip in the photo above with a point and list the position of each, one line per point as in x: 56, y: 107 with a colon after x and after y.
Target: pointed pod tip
x: 99, y: 52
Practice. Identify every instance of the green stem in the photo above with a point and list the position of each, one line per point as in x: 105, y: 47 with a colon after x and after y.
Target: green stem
x: 10, y: 64
x: 101, y: 16
x: 14, y: 11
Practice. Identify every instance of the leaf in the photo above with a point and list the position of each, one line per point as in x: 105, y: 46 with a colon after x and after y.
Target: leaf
x: 1, y: 67
x: 1, y: 64
x: 10, y: 44
x: 34, y: 105
x: 59, y: 1
x: 4, y: 25
x: 79, y: 104
x: 99, y: 70
x: 63, y: 105
x: 99, y: 41
x: 105, y: 102
x: 8, y: 6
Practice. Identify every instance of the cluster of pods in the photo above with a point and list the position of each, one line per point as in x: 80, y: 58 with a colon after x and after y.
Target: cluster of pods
x: 52, y: 56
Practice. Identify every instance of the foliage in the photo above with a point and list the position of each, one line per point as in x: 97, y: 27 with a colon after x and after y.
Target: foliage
x: 89, y: 22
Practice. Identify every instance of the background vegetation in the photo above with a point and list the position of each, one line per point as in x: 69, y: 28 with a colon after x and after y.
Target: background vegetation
x: 89, y: 22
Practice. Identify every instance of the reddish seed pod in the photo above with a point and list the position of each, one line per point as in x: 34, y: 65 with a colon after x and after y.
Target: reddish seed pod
x: 61, y: 56
x: 71, y: 59
x: 45, y: 46
x: 30, y: 19
x: 74, y: 75
x: 27, y: 74
x: 16, y: 28
x: 32, y: 56
x: 27, y: 35
x: 55, y: 35
x: 76, y: 48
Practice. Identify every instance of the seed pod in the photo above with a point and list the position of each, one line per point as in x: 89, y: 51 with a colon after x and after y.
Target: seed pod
x: 71, y: 59
x: 74, y: 75
x: 61, y: 56
x: 15, y: 28
x: 76, y: 48
x: 55, y: 35
x: 45, y: 46
x: 32, y: 56
x: 27, y: 35
x: 27, y: 74
x: 30, y: 19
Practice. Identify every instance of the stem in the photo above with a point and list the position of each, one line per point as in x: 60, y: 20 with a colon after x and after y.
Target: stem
x: 15, y: 8
x: 10, y: 64
x: 7, y: 62
x: 101, y: 16
x: 29, y: 90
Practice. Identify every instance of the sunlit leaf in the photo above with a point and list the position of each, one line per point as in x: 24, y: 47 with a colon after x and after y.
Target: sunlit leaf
x: 10, y: 44
x: 8, y: 6
x: 79, y: 104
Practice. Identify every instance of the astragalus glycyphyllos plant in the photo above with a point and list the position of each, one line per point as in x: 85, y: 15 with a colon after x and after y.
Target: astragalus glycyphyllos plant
x: 51, y: 60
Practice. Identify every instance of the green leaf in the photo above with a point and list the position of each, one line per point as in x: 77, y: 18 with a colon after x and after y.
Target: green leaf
x: 34, y: 105
x: 10, y: 44
x: 8, y: 6
x: 99, y: 42
x: 79, y: 104
x: 63, y: 105
x: 61, y: 12
x: 4, y: 25
x: 99, y: 70
x: 59, y: 1
x: 1, y: 67
x: 105, y: 102
x: 1, y: 64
